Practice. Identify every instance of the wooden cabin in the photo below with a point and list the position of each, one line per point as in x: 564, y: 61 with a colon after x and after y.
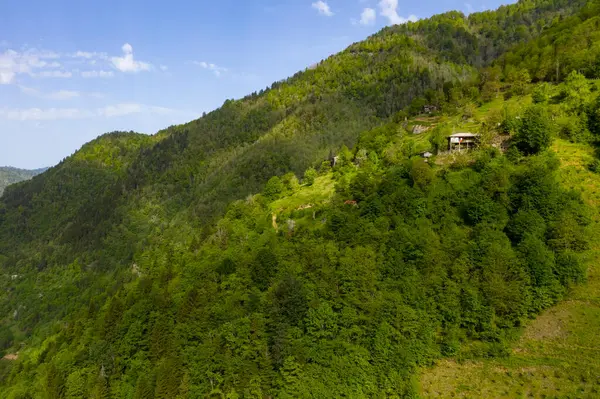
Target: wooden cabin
x: 462, y: 141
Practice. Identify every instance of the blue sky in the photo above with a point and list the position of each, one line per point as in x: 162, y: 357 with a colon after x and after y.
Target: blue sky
x: 72, y: 70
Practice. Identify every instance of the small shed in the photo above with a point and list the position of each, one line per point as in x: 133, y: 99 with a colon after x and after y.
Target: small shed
x: 426, y: 155
x: 462, y: 141
x: 429, y: 109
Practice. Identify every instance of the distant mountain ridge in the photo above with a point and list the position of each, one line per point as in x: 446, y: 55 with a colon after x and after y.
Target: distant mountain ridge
x: 10, y: 175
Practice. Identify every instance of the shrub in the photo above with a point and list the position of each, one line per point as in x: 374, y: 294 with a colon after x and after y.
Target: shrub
x: 541, y: 93
x: 309, y: 176
x: 535, y: 133
x: 595, y: 166
x: 274, y: 188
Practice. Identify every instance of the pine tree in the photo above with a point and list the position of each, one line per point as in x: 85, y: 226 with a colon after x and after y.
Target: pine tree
x: 168, y: 376
x: 144, y: 388
x: 55, y: 382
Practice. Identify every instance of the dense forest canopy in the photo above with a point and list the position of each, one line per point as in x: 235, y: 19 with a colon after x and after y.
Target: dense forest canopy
x: 294, y: 243
x: 10, y: 176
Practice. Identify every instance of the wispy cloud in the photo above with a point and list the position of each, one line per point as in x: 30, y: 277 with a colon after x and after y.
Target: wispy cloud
x: 126, y: 63
x: 49, y: 64
x: 217, y: 70
x: 163, y: 68
x: 368, y: 16
x: 37, y: 114
x: 469, y: 8
x: 120, y: 110
x: 97, y: 74
x: 110, y: 111
x: 88, y: 55
x: 52, y: 74
x: 389, y: 9
x: 7, y: 77
x: 55, y: 95
x: 31, y: 62
x: 323, y: 8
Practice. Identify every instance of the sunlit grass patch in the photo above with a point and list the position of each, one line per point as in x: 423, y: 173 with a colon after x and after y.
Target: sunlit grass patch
x: 318, y: 193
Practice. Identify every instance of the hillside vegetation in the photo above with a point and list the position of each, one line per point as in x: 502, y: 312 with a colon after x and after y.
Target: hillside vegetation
x: 557, y: 354
x: 295, y: 244
x: 10, y: 176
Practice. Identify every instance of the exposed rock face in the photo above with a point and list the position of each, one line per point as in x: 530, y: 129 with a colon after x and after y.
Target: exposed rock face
x: 418, y: 129
x: 291, y: 225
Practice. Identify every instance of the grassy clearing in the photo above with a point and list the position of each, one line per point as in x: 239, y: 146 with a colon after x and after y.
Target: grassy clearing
x: 558, y: 354
x: 319, y: 193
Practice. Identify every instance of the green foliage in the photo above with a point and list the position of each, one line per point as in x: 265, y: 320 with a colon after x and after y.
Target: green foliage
x: 291, y: 183
x: 565, y: 47
x: 309, y: 176
x: 10, y: 176
x: 594, y: 118
x: 535, y: 131
x: 575, y: 128
x: 541, y: 93
x: 274, y: 188
x: 76, y: 385
x: 595, y: 166
x: 576, y: 91
x: 518, y: 79
x: 439, y: 138
x: 149, y: 267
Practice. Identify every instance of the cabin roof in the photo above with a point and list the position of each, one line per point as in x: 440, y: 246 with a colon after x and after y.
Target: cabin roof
x: 464, y: 135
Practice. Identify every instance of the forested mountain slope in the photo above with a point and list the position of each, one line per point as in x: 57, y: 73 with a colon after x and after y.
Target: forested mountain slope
x: 148, y: 266
x: 10, y: 176
x: 556, y: 356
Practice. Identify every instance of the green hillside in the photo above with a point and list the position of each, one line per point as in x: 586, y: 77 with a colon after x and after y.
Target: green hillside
x: 10, y: 176
x: 294, y: 243
x: 557, y: 353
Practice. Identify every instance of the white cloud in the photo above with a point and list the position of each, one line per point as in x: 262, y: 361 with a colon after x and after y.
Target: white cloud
x: 29, y: 91
x: 63, y: 95
x: 163, y: 67
x: 45, y: 54
x: 389, y: 9
x: 37, y: 114
x: 162, y: 111
x: 89, y: 55
x: 83, y: 54
x: 323, y: 8
x: 56, y: 95
x: 31, y: 61
x: 52, y: 74
x: 110, y: 111
x: 368, y: 16
x: 469, y: 8
x: 7, y: 77
x: 127, y: 63
x: 97, y: 74
x: 13, y: 63
x: 48, y: 64
x: 217, y: 70
x: 119, y: 110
